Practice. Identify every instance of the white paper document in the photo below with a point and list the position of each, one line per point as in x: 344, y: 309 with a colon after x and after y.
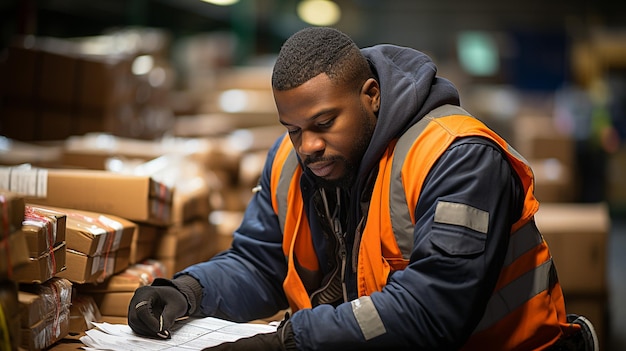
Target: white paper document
x: 190, y: 334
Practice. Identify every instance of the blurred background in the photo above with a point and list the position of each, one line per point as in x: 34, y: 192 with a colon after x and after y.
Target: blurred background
x: 550, y: 76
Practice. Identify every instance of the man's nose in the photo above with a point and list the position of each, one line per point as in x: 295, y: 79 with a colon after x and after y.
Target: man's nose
x: 311, y: 143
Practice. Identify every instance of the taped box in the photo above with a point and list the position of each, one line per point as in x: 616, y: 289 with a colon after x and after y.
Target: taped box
x: 44, y: 313
x: 114, y: 294
x: 134, y: 197
x: 98, y: 244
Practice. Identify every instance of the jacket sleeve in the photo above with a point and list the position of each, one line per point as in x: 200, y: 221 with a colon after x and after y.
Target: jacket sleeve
x: 245, y: 282
x: 436, y: 302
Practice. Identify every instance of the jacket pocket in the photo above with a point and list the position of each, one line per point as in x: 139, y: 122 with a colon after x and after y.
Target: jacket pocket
x: 458, y: 243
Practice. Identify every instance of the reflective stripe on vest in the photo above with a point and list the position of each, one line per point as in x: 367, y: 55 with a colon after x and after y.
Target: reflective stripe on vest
x: 289, y: 167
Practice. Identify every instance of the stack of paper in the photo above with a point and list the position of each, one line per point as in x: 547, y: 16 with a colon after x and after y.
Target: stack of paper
x: 190, y: 334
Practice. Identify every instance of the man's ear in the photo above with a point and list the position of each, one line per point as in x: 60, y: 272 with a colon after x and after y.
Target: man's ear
x: 371, y: 93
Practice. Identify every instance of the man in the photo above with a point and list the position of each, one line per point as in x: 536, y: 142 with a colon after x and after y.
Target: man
x: 386, y: 218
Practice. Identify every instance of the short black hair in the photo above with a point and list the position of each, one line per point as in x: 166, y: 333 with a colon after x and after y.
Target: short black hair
x: 315, y: 50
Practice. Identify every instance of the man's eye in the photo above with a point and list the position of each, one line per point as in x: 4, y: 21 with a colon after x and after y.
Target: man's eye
x: 293, y: 132
x: 326, y: 124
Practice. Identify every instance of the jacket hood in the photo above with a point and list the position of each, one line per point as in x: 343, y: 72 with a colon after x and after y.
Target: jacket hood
x: 409, y: 89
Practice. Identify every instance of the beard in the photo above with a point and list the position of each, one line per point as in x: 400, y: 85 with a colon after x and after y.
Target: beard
x: 342, y: 182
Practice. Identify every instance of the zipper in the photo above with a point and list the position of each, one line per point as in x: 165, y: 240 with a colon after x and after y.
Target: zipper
x: 344, y: 257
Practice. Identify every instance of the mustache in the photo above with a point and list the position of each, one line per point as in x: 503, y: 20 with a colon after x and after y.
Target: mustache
x: 310, y: 160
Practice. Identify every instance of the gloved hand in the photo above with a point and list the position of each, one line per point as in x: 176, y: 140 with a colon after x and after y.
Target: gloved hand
x: 280, y: 340
x: 154, y: 309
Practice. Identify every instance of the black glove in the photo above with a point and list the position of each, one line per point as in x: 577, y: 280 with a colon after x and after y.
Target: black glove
x: 280, y: 340
x: 154, y: 309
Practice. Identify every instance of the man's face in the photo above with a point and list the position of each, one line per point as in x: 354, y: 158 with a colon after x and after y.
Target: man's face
x: 330, y: 126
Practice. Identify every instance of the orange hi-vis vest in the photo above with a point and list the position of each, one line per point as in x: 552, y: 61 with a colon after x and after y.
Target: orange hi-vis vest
x: 526, y: 310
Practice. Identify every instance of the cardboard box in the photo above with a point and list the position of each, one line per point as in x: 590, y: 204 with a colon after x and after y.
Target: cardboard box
x: 54, y: 123
x: 38, y: 301
x: 577, y: 235
x: 19, y: 121
x: 185, y: 245
x: 225, y: 222
x: 113, y: 295
x: 93, y: 233
x: 18, y: 153
x: 105, y: 80
x: 191, y: 201
x: 46, y: 332
x: 83, y: 312
x: 42, y: 268
x: 13, y: 254
x: 554, y: 180
x: 13, y: 206
x: 58, y: 69
x: 134, y: 197
x: 537, y: 137
x: 94, y: 269
x: 21, y: 69
x: 43, y: 229
x: 144, y: 242
x: 44, y: 311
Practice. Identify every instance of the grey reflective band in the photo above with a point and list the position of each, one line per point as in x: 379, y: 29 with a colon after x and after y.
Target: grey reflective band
x: 515, y: 294
x: 447, y: 110
x: 401, y: 223
x: 368, y: 318
x: 517, y: 154
x: 521, y: 241
x: 284, y: 182
x: 462, y: 215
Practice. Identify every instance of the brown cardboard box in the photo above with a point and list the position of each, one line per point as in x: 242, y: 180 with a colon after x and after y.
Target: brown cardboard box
x: 93, y: 233
x: 13, y: 245
x: 13, y: 254
x: 19, y: 121
x: 58, y: 69
x: 18, y: 153
x: 43, y: 229
x: 225, y: 222
x: 45, y: 333
x: 94, y: 269
x: 20, y: 69
x: 554, y: 180
x: 181, y: 246
x: 42, y: 268
x: 113, y: 295
x: 13, y: 207
x: 37, y: 301
x: 105, y: 80
x: 538, y: 138
x: 191, y: 201
x: 54, y: 123
x: 83, y: 312
x: 44, y: 311
x: 144, y: 242
x: 577, y: 235
x: 133, y: 197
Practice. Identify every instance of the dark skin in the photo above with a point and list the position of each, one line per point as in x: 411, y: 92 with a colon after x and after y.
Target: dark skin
x: 330, y: 125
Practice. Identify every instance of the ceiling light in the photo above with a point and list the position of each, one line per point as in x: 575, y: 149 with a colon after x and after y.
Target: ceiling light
x: 319, y: 12
x: 222, y: 2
